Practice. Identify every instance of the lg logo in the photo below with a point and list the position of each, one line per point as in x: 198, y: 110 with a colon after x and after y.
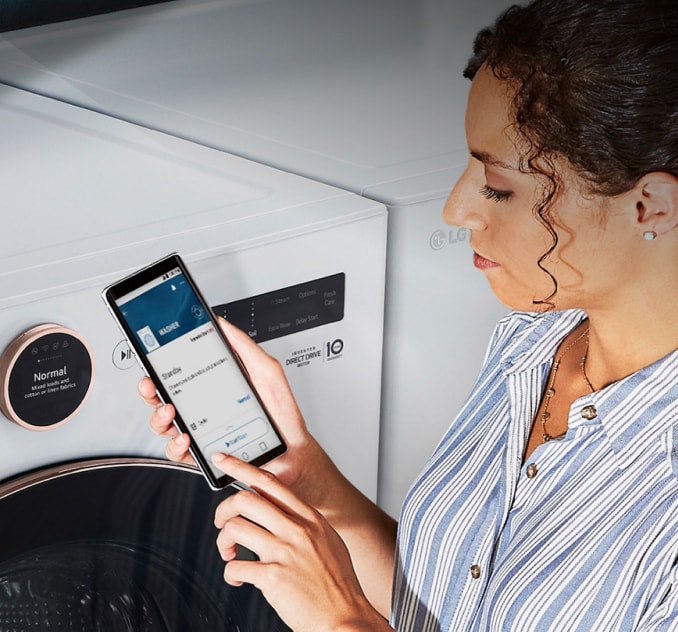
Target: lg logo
x: 441, y: 238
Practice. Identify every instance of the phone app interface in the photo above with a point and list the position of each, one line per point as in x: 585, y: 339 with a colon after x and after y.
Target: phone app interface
x: 197, y: 369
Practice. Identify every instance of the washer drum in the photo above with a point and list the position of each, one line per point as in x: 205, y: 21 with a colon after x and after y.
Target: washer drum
x: 118, y: 545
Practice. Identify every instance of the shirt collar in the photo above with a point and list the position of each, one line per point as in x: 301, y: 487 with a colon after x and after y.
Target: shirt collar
x: 637, y: 410
x: 634, y: 411
x: 537, y: 342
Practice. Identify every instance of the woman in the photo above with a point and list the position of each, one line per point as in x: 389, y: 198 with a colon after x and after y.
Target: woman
x: 552, y: 502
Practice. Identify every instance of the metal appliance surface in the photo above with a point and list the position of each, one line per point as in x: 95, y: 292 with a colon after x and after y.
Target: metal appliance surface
x: 365, y: 95
x: 86, y: 200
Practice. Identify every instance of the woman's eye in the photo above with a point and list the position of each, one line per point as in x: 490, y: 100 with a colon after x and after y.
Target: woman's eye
x: 493, y: 194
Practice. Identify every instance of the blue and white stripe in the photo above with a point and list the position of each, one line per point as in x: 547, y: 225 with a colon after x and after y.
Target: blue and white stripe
x: 589, y: 543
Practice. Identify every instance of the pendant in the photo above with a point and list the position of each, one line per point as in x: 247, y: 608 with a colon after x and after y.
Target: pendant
x: 546, y: 437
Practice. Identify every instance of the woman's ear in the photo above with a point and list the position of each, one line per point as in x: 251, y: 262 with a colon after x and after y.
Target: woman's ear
x: 656, y: 198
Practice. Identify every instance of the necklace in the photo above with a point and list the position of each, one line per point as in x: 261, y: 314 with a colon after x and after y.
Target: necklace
x: 551, y: 391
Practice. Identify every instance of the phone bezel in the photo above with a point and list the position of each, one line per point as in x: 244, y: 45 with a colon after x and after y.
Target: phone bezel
x: 140, y: 278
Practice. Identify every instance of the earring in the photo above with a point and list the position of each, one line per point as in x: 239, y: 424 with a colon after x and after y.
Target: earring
x: 649, y: 235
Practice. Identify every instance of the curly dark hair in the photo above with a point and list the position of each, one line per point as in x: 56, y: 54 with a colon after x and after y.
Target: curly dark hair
x: 596, y: 82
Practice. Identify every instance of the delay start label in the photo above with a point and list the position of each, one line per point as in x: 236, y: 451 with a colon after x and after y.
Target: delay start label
x: 325, y: 352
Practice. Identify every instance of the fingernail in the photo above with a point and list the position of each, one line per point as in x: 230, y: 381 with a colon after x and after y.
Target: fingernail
x: 218, y: 457
x: 180, y: 440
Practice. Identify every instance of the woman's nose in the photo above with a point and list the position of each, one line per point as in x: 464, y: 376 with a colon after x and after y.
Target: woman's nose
x: 464, y: 206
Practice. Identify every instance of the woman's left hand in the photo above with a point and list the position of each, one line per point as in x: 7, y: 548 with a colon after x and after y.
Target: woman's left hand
x: 304, y: 569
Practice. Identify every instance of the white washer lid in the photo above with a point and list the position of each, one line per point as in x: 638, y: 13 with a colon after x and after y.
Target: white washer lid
x: 80, y: 189
x: 352, y: 93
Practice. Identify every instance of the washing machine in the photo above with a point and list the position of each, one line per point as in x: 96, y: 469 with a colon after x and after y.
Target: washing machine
x: 85, y: 491
x: 366, y: 95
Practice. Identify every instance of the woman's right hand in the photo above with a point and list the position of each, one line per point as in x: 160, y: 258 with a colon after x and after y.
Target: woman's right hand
x: 270, y: 382
x: 305, y: 469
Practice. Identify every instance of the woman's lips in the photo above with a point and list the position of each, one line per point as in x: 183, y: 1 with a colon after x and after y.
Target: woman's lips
x: 483, y: 264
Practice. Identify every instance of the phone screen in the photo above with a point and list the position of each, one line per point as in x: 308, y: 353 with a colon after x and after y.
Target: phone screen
x: 189, y: 359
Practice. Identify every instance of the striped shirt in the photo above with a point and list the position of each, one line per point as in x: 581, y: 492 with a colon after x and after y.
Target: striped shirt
x: 583, y: 536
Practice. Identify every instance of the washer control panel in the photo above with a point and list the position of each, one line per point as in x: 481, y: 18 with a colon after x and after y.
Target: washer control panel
x: 288, y: 310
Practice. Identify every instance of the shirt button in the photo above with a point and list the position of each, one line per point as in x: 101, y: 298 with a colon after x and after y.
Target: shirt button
x: 475, y: 571
x: 531, y: 470
x: 589, y: 412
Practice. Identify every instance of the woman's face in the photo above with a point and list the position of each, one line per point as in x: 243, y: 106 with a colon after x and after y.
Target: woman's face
x: 497, y: 203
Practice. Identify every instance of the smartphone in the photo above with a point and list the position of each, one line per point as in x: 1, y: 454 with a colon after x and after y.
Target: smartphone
x: 181, y: 347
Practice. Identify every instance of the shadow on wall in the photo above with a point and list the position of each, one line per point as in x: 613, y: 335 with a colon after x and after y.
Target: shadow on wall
x: 19, y: 14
